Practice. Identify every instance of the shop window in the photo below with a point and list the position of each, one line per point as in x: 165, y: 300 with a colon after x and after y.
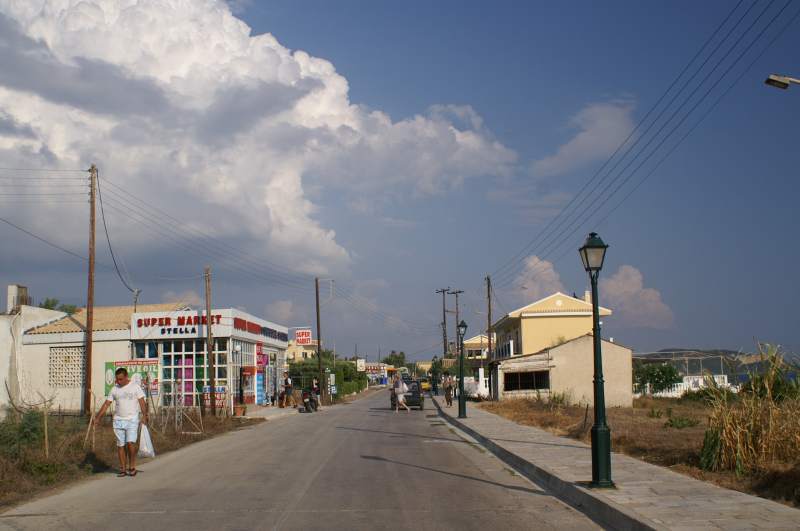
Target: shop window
x: 166, y: 359
x: 187, y: 346
x: 199, y: 359
x: 177, y: 346
x: 140, y: 351
x: 222, y: 343
x: 222, y: 372
x: 222, y: 359
x: 152, y: 350
x: 66, y: 367
x: 167, y: 374
x: 166, y: 346
x: 199, y: 346
x: 526, y: 381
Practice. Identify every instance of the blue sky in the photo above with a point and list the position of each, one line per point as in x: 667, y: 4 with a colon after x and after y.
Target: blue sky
x: 700, y: 254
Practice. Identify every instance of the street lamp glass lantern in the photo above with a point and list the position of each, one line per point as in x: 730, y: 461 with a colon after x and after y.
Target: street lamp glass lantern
x: 593, y: 253
x: 462, y: 329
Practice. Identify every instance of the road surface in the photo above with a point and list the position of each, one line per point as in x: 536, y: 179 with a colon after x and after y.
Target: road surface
x: 354, y: 466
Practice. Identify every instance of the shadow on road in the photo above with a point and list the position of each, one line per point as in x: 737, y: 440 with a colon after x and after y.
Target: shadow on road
x: 402, y: 434
x: 454, y: 474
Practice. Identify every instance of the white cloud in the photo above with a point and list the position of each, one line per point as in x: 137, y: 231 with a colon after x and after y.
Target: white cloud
x: 632, y: 303
x: 285, y: 312
x: 188, y: 297
x: 537, y: 279
x: 601, y: 128
x: 178, y: 99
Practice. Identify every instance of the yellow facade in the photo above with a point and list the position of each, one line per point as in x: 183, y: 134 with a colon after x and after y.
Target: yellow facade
x: 543, y: 324
x: 295, y: 352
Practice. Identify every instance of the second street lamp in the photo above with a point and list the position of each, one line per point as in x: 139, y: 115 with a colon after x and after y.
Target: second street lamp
x: 462, y: 400
x: 593, y: 254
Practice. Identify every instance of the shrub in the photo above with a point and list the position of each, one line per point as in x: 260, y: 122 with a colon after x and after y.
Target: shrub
x: 655, y: 378
x: 681, y: 422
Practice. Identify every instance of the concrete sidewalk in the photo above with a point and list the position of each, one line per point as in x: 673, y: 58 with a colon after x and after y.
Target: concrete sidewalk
x: 646, y: 497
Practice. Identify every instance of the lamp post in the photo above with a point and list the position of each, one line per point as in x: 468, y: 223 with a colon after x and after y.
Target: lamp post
x: 781, y: 82
x: 462, y: 400
x: 593, y: 254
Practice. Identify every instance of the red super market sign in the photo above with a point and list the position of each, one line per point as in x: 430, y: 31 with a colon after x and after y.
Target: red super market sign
x: 302, y: 336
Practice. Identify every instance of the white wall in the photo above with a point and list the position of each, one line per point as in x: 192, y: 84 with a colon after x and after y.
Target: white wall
x: 11, y: 332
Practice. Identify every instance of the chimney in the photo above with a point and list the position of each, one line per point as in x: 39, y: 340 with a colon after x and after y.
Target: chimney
x: 16, y: 296
x: 587, y: 296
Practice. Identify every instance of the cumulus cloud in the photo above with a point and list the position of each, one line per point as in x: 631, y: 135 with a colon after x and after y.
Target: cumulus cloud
x: 284, y: 312
x: 537, y: 279
x: 601, y: 128
x: 179, y: 99
x: 188, y: 297
x: 632, y: 303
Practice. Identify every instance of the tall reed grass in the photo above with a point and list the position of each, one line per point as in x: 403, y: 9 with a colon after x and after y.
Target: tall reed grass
x: 760, y: 426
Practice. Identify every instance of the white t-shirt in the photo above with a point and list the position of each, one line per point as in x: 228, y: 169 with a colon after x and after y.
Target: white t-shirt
x: 126, y: 400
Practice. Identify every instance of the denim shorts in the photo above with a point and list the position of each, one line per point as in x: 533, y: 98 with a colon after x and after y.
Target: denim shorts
x: 127, y: 431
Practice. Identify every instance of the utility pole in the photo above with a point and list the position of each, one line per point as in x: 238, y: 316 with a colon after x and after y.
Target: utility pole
x: 489, y: 355
x: 323, y: 384
x: 457, y: 293
x: 87, y: 395
x: 444, y: 292
x: 210, y: 346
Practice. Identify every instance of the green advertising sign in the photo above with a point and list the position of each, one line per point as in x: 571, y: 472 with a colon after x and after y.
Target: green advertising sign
x: 139, y: 371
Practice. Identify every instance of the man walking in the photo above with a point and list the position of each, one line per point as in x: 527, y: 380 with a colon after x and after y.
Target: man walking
x: 287, y: 390
x: 449, y: 388
x: 128, y: 399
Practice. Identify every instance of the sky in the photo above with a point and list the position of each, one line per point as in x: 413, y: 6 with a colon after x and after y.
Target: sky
x: 392, y: 149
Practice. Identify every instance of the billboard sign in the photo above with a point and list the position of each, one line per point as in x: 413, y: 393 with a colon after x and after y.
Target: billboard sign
x: 361, y: 365
x: 219, y: 396
x: 143, y: 372
x: 302, y: 336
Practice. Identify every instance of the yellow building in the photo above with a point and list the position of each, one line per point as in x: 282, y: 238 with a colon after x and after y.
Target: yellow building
x: 546, y: 348
x: 545, y: 323
x: 297, y: 352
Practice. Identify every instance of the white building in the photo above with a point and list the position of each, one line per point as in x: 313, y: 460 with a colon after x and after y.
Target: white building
x: 42, y: 354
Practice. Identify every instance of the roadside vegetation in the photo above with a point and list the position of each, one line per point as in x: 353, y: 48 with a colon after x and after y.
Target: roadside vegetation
x: 33, y: 459
x: 348, y: 379
x: 748, y: 441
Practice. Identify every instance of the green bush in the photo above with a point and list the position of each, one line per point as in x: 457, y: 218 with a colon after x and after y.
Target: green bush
x: 681, y: 422
x: 654, y: 377
x: 18, y: 433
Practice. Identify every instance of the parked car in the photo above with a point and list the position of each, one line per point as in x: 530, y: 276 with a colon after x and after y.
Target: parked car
x: 414, y: 396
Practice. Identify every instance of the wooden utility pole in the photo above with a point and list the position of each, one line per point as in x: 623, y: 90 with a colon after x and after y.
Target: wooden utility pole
x: 210, y: 346
x: 489, y: 355
x: 457, y: 293
x: 444, y: 292
x: 323, y: 384
x: 87, y: 388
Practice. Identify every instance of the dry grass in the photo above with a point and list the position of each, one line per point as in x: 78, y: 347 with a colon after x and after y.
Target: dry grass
x: 640, y: 432
x: 25, y: 471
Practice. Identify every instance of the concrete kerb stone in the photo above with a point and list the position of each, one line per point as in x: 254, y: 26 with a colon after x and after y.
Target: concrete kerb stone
x: 601, y: 511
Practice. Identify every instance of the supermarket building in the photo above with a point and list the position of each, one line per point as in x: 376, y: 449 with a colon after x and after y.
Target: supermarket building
x: 162, y: 344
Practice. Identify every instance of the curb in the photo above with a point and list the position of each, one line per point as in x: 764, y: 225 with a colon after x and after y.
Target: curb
x: 604, y: 512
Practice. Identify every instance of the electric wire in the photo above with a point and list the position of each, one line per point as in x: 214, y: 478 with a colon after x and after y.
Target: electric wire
x: 641, y: 122
x: 558, y: 241
x: 108, y: 237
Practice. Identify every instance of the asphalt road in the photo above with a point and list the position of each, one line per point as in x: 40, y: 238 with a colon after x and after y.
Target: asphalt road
x: 355, y: 466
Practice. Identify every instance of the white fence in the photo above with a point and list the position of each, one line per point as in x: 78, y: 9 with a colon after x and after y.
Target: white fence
x: 691, y: 383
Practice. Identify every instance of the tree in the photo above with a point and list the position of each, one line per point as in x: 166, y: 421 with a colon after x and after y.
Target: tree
x: 397, y: 359
x: 655, y: 378
x: 54, y: 304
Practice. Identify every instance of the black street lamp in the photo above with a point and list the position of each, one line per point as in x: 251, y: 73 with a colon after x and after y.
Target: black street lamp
x: 593, y: 253
x: 462, y: 400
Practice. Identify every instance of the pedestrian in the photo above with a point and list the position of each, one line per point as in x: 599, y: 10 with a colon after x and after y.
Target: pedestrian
x: 435, y: 384
x: 448, y: 389
x: 128, y: 399
x: 400, y: 388
x: 315, y: 390
x: 287, y: 390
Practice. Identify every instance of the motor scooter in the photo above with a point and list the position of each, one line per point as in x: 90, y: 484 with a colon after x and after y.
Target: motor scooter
x: 310, y: 401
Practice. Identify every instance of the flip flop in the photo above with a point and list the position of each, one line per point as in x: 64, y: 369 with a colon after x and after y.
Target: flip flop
x: 121, y: 474
x: 132, y: 472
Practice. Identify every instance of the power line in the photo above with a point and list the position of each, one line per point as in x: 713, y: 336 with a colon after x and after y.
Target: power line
x: 557, y: 242
x: 43, y: 240
x: 641, y: 122
x: 108, y: 237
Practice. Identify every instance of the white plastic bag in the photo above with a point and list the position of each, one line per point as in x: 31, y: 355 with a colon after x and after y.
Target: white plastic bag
x: 145, y: 443
x: 404, y: 389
